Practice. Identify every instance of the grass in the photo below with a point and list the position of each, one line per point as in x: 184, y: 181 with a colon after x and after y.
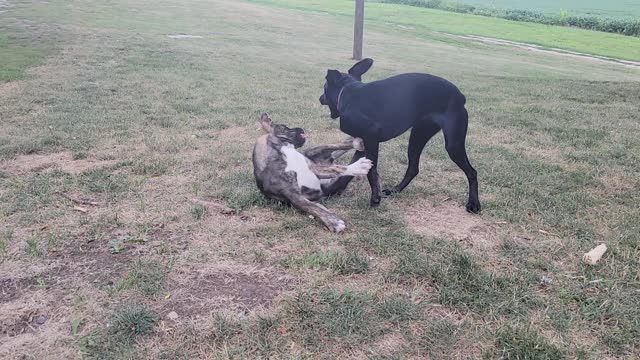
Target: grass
x: 425, y: 21
x: 341, y: 262
x: 149, y: 123
x: 523, y: 344
x: 116, y: 341
x: 18, y: 54
x: 148, y: 277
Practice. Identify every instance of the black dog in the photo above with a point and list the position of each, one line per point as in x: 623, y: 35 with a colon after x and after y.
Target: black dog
x: 382, y: 110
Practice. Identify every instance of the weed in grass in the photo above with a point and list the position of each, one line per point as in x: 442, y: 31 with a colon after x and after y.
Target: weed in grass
x: 146, y: 276
x: 263, y: 335
x: 525, y: 344
x: 32, y: 247
x: 198, y: 211
x: 117, y: 340
x: 224, y: 328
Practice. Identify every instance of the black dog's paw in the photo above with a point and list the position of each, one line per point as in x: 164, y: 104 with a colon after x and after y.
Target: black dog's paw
x: 375, y: 201
x: 473, y: 207
x: 388, y: 192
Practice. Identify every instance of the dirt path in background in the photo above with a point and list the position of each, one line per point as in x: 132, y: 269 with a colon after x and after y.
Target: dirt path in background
x: 552, y: 51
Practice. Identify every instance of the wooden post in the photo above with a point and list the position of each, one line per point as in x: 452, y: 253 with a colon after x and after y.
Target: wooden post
x: 358, y: 30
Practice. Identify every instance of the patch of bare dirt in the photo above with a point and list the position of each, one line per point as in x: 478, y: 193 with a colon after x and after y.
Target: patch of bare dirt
x: 389, y: 344
x: 12, y: 288
x: 199, y: 292
x: 28, y: 321
x: 449, y: 220
x: 24, y: 164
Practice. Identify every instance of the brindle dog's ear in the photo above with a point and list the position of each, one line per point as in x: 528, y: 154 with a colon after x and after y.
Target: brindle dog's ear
x: 265, y: 123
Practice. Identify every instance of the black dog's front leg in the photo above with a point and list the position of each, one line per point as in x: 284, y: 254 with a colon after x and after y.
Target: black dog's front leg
x: 371, y: 148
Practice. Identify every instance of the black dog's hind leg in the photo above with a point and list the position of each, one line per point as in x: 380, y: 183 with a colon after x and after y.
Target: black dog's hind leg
x: 454, y: 128
x: 421, y: 133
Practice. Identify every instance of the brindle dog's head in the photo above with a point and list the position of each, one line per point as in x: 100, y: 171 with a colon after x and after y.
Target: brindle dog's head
x: 286, y: 135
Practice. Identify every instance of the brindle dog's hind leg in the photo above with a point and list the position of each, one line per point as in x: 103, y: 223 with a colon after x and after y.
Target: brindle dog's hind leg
x: 329, y: 219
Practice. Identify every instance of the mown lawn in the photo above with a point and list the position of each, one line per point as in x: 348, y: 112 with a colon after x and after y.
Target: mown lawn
x: 108, y: 137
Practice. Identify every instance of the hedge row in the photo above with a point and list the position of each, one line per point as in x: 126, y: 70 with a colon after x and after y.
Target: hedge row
x: 624, y: 26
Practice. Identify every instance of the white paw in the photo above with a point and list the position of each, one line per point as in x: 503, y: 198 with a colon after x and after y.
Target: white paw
x: 360, y: 167
x: 358, y: 144
x: 338, y: 226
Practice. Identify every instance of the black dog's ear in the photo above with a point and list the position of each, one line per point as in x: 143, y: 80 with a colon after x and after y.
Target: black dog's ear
x: 333, y: 76
x: 360, y: 68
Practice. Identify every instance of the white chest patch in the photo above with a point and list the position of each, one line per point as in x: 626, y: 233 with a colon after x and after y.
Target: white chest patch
x: 297, y: 163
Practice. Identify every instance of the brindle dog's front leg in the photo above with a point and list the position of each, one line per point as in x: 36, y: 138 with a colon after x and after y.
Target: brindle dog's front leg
x: 327, y: 154
x: 329, y: 219
x: 358, y: 168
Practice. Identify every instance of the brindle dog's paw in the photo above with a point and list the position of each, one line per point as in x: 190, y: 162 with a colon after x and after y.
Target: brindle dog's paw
x: 358, y: 144
x: 337, y: 226
x: 360, y: 167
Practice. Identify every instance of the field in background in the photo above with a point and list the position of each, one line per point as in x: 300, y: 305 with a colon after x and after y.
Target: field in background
x: 423, y: 22
x: 628, y: 25
x: 110, y: 127
x: 611, y: 8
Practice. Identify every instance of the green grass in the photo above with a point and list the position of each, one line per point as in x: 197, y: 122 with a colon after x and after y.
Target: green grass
x: 147, y: 277
x: 426, y: 21
x: 341, y: 262
x: 148, y: 123
x: 116, y: 341
x: 522, y: 344
x: 17, y: 54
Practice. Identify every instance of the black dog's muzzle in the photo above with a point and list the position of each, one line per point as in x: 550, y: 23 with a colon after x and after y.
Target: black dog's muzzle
x: 323, y: 100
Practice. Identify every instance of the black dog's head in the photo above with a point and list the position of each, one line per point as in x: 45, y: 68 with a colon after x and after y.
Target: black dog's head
x: 295, y: 136
x: 336, y: 80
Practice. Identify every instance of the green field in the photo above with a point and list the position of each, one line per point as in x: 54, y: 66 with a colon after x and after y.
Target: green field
x: 110, y: 128
x: 610, y: 8
x: 425, y: 21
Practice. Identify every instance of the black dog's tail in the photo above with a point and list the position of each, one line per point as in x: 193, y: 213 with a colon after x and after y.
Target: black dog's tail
x: 457, y: 101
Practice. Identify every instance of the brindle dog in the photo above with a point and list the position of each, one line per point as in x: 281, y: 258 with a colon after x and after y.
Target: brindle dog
x: 302, y: 178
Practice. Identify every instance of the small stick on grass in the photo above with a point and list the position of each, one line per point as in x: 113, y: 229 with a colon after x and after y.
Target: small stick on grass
x: 77, y: 201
